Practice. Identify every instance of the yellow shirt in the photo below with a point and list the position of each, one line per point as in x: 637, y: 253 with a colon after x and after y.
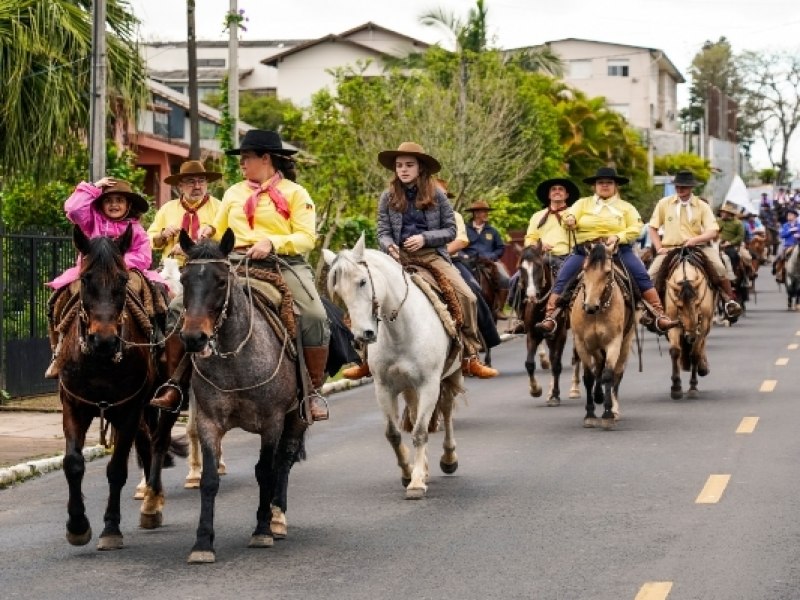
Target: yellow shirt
x: 551, y: 233
x: 461, y: 229
x: 171, y: 215
x: 292, y: 236
x: 682, y: 222
x: 598, y: 219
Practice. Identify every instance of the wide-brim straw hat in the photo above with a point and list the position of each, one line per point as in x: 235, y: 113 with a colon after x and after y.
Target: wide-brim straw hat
x: 730, y: 207
x: 387, y: 157
x: 479, y: 205
x: 262, y: 140
x: 138, y: 204
x: 606, y: 173
x: 543, y: 190
x: 189, y: 169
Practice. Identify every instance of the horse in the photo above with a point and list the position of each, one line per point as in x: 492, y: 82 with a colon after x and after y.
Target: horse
x: 109, y: 370
x: 792, y: 279
x: 603, y: 326
x: 689, y: 299
x: 243, y: 376
x: 758, y: 250
x: 408, y: 354
x: 536, y: 280
x: 486, y: 273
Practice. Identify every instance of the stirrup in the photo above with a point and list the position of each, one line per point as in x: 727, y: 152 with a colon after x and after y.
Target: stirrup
x: 316, y: 395
x: 737, y: 311
x: 168, y: 384
x: 663, y: 330
x: 547, y: 332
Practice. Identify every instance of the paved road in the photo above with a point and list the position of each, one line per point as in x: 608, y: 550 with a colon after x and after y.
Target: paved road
x: 540, y: 508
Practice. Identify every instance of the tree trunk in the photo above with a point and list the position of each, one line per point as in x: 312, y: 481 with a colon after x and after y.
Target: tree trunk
x: 194, y: 114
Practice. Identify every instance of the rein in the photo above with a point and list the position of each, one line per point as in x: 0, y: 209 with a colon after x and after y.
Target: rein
x: 376, y: 305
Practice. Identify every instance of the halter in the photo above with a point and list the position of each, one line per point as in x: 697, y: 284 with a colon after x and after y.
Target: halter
x: 684, y: 259
x: 375, y: 304
x: 83, y: 324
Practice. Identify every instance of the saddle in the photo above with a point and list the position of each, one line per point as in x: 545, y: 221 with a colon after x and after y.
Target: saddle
x: 674, y: 258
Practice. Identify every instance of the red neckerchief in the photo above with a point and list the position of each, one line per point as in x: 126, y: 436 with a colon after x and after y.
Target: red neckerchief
x: 270, y: 187
x: 191, y: 222
x: 551, y: 211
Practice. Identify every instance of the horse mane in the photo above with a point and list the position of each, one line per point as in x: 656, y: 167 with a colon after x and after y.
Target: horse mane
x: 671, y: 261
x: 204, y: 249
x: 530, y: 253
x: 345, y: 261
x: 103, y: 258
x: 597, y: 255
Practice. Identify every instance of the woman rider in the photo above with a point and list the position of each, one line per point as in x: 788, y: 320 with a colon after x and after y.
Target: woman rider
x: 606, y: 217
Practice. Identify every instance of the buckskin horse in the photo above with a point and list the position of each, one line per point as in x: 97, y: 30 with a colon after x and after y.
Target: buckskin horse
x: 536, y: 280
x: 603, y: 325
x: 243, y: 376
x: 109, y: 370
x: 410, y: 354
x: 689, y: 299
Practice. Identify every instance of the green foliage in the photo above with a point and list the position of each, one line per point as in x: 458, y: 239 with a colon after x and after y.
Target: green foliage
x: 768, y: 175
x: 229, y: 166
x: 669, y: 164
x: 259, y: 110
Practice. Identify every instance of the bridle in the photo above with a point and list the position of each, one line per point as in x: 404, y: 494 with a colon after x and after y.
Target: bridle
x: 83, y: 325
x: 548, y: 275
x: 375, y: 304
x: 698, y: 301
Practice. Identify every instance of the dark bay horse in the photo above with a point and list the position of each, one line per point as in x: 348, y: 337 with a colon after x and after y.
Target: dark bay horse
x: 244, y: 376
x: 536, y: 278
x: 487, y: 275
x: 603, y: 326
x: 109, y: 370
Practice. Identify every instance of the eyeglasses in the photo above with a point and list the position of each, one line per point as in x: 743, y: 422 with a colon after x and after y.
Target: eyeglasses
x: 193, y: 181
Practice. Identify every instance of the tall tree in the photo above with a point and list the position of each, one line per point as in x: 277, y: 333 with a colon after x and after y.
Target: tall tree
x: 45, y: 52
x: 194, y: 108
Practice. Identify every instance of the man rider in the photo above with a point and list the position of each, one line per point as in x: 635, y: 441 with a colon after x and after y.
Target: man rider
x: 485, y: 242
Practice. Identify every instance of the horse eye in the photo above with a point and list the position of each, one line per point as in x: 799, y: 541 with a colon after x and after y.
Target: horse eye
x: 362, y: 283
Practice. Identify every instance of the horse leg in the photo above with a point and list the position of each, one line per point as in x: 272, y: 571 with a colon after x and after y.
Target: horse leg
x: 575, y: 384
x: 203, y: 549
x: 428, y: 395
x: 290, y: 450
x: 193, y: 477
x: 676, y: 391
x: 76, y: 423
x: 144, y: 449
x: 556, y: 348
x: 152, y: 511
x: 544, y: 358
x: 533, y: 341
x: 265, y: 475
x: 590, y: 420
x: 693, y: 392
x: 449, y: 389
x: 608, y: 382
x: 388, y: 404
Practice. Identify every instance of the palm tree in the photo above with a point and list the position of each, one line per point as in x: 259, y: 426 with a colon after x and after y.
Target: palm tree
x: 45, y: 60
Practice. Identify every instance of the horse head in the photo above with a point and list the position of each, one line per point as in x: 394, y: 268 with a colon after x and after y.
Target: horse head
x: 207, y: 281
x: 688, y: 295
x: 535, y: 276
x: 597, y: 278
x: 103, y: 287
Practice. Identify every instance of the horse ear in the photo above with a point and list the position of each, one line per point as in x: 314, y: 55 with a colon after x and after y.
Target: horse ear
x: 358, y: 249
x: 329, y: 256
x: 227, y: 241
x: 80, y: 240
x: 185, y: 241
x: 125, y: 240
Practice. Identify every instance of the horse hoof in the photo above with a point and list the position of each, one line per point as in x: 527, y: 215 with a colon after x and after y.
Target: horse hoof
x: 202, y: 557
x: 406, y: 481
x: 415, y: 493
x: 192, y: 484
x: 553, y: 401
x: 589, y: 423
x: 278, y: 524
x: 702, y: 372
x: 574, y: 394
x: 676, y: 394
x: 110, y: 542
x: 79, y: 539
x: 545, y: 364
x: 222, y: 469
x: 536, y: 391
x: 608, y: 424
x: 151, y: 520
x: 693, y: 394
x: 260, y: 541
x: 139, y: 493
x: 448, y: 468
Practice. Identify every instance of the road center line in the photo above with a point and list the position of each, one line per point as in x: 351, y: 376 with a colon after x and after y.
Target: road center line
x: 793, y: 346
x: 654, y: 590
x: 712, y: 491
x: 748, y: 425
x: 781, y: 362
x: 768, y: 385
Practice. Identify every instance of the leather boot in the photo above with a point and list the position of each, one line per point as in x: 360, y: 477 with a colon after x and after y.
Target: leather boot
x: 500, y: 302
x: 732, y: 308
x: 169, y: 396
x: 316, y: 358
x: 473, y: 367
x: 662, y: 321
x: 357, y: 371
x: 548, y: 325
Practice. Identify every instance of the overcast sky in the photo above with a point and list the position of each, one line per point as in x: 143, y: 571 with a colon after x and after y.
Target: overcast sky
x: 679, y: 27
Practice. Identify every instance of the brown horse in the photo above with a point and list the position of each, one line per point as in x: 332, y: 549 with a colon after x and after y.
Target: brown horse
x: 603, y: 325
x: 486, y: 273
x: 758, y: 249
x: 536, y: 278
x: 109, y: 370
x: 689, y: 299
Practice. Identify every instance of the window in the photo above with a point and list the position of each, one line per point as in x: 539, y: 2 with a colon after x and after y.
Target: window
x: 161, y: 119
x: 580, y: 69
x: 618, y: 68
x: 210, y: 62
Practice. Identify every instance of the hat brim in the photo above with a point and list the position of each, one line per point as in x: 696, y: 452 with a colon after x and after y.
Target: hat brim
x: 692, y: 184
x: 474, y: 208
x: 138, y: 203
x: 543, y: 190
x: 616, y: 178
x: 176, y: 178
x: 387, y: 160
x: 280, y: 151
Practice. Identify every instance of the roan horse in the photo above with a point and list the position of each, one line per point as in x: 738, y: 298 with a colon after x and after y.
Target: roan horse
x: 603, y: 326
x: 690, y: 300
x: 792, y: 279
x: 109, y: 370
x: 536, y: 280
x: 243, y: 377
x: 408, y: 354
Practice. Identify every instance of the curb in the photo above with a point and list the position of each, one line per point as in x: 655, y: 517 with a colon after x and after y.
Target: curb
x: 34, y: 468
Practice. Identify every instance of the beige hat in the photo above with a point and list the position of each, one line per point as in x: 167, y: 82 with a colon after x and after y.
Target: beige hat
x: 387, y: 157
x: 190, y: 168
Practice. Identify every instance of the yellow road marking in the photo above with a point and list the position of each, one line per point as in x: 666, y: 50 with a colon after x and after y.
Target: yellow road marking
x: 797, y: 333
x: 712, y: 491
x: 793, y: 346
x: 654, y: 590
x: 748, y: 425
x: 768, y: 385
x: 781, y: 362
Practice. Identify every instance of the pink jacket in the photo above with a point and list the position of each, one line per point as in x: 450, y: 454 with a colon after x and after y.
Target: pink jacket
x: 81, y: 210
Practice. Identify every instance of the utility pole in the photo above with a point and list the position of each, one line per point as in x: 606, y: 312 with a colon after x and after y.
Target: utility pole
x: 97, y: 109
x: 233, y: 72
x: 194, y: 111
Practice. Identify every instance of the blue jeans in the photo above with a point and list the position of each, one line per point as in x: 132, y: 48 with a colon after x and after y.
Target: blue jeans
x: 574, y: 263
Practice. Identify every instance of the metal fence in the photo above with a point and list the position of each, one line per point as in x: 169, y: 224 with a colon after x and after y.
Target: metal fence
x: 27, y: 262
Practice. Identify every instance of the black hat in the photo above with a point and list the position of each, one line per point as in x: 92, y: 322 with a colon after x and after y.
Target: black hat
x: 685, y: 178
x: 261, y: 140
x: 606, y: 173
x: 792, y: 210
x: 543, y: 190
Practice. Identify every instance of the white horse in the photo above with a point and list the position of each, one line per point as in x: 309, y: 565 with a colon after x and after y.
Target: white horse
x: 408, y: 354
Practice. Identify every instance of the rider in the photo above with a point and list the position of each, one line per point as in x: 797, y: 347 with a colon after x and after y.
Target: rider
x: 731, y: 234
x: 104, y: 208
x: 415, y: 220
x: 605, y: 217
x: 271, y: 215
x: 688, y: 221
x: 789, y: 234
x: 485, y: 242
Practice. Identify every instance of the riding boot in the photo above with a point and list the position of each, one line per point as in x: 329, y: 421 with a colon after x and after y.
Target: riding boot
x: 732, y: 308
x: 654, y: 306
x: 358, y: 371
x: 548, y: 324
x: 473, y: 367
x: 316, y: 358
x: 500, y: 302
x: 169, y: 396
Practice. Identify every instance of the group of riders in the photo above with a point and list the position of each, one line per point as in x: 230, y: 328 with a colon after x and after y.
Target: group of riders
x: 273, y: 219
